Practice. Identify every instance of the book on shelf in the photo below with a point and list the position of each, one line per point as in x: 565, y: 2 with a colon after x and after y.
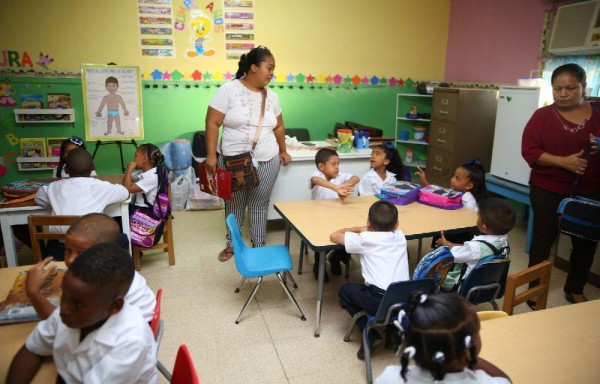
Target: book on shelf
x: 17, y: 307
x: 59, y: 101
x: 33, y: 147
x: 32, y: 101
x: 53, y: 148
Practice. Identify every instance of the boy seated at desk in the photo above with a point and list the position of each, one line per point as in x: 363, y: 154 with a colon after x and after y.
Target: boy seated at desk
x: 95, y: 336
x: 85, y: 232
x: 79, y: 194
x: 383, y: 260
x: 495, y: 218
x: 329, y: 183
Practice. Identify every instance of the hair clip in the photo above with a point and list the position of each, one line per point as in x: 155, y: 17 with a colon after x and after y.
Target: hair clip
x: 468, y: 341
x: 76, y: 140
x: 475, y: 161
x: 423, y: 298
x: 410, y: 351
x: 439, y: 357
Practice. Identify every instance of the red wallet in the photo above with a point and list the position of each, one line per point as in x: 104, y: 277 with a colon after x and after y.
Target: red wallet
x: 217, y: 184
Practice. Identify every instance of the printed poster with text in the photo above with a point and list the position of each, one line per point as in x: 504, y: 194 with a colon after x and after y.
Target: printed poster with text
x: 112, y: 102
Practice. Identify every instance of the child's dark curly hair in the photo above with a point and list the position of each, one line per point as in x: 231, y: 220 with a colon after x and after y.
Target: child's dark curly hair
x: 477, y: 177
x: 395, y: 166
x: 437, y: 329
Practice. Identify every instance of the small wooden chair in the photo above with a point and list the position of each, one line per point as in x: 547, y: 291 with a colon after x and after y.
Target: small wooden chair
x: 36, y: 231
x: 491, y: 315
x: 166, y: 244
x: 540, y: 271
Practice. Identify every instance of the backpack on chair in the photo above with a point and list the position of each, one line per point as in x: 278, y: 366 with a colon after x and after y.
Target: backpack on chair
x: 455, y: 277
x: 436, y: 264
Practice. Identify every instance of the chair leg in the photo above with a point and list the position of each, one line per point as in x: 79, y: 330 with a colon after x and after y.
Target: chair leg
x: 164, y: 371
x: 367, y: 350
x: 250, y: 298
x: 355, y: 318
x: 301, y: 259
x: 286, y: 289
x: 292, y: 279
x: 137, y: 253
x: 237, y: 290
x: 494, y: 305
x: 348, y: 268
x: 170, y: 245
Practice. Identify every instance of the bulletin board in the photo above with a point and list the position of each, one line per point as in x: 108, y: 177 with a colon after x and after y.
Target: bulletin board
x: 112, y: 102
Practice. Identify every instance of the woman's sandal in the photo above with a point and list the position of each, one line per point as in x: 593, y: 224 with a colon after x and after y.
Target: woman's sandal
x: 226, y: 254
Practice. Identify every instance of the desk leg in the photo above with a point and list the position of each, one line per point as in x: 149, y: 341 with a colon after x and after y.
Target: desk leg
x: 320, y: 293
x: 287, y: 235
x: 9, y: 241
x: 125, y: 222
x: 420, y: 248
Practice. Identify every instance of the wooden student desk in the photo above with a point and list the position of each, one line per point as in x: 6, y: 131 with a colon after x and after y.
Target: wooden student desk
x: 14, y: 214
x: 315, y: 220
x: 13, y: 336
x: 556, y: 345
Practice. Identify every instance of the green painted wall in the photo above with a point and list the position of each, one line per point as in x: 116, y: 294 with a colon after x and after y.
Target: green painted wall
x: 173, y: 111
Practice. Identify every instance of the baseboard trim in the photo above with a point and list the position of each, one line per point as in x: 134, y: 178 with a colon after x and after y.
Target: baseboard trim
x: 563, y: 265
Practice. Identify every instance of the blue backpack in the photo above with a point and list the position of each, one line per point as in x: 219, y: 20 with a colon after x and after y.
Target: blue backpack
x: 439, y: 262
x: 436, y: 264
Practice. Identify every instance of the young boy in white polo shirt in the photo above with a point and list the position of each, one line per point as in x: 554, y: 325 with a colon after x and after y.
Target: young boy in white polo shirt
x: 95, y: 336
x: 329, y: 183
x: 85, y: 232
x: 79, y: 194
x: 383, y: 260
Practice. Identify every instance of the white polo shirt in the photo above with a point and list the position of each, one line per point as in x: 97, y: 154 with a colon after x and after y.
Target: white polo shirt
x: 371, y: 183
x: 383, y: 256
x: 122, y: 350
x: 417, y: 375
x: 79, y: 196
x: 148, y: 183
x: 321, y: 193
x: 469, y: 201
x: 141, y: 296
x: 471, y: 251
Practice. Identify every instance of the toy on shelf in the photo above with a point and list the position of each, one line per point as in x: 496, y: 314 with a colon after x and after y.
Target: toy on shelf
x: 413, y: 113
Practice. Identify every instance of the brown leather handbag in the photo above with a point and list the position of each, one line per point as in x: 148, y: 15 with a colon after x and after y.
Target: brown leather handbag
x: 243, y: 171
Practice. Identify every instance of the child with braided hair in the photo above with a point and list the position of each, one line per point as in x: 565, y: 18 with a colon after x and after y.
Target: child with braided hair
x: 145, y: 184
x: 441, y: 335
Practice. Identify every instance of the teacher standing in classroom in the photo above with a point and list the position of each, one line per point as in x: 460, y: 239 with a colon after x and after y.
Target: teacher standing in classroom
x: 557, y: 146
x: 237, y: 107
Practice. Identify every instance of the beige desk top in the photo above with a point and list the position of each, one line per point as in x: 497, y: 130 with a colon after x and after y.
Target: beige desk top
x: 317, y: 219
x: 556, y: 345
x: 12, y: 336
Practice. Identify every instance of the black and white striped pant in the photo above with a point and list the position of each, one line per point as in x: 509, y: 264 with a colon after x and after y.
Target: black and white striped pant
x: 256, y: 199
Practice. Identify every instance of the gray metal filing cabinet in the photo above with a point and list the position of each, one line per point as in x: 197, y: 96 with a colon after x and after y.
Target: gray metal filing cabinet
x: 462, y: 128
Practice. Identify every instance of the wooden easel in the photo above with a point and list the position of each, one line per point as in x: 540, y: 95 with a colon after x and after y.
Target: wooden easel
x: 119, y: 144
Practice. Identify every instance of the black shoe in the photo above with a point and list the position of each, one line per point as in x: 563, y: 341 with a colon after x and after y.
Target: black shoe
x: 531, y: 304
x: 336, y: 267
x: 572, y: 299
x: 316, y: 272
x: 374, y: 340
x: 392, y: 338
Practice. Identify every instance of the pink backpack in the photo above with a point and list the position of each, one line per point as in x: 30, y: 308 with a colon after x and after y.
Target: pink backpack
x: 440, y: 197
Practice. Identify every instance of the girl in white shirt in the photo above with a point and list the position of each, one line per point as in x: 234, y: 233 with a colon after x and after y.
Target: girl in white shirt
x: 441, y: 335
x: 469, y: 179
x: 147, y: 161
x: 386, y: 167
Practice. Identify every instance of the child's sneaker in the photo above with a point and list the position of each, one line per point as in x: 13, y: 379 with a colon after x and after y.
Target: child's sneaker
x: 374, y: 341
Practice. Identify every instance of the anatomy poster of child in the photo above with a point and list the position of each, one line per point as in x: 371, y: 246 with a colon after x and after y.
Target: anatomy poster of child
x: 113, y: 102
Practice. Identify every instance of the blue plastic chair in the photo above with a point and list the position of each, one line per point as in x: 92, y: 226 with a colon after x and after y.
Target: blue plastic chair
x: 486, y: 283
x: 259, y: 262
x: 393, y: 299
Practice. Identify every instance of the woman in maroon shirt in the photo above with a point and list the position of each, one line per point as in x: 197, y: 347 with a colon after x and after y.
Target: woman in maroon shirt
x: 557, y: 146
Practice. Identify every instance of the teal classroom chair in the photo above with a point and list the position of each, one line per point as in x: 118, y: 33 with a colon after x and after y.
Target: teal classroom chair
x: 259, y: 262
x: 393, y: 299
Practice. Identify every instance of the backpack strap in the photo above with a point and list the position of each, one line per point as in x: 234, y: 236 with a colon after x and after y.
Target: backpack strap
x: 504, y: 251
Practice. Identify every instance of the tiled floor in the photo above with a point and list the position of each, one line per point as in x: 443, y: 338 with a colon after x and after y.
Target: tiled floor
x: 270, y: 344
